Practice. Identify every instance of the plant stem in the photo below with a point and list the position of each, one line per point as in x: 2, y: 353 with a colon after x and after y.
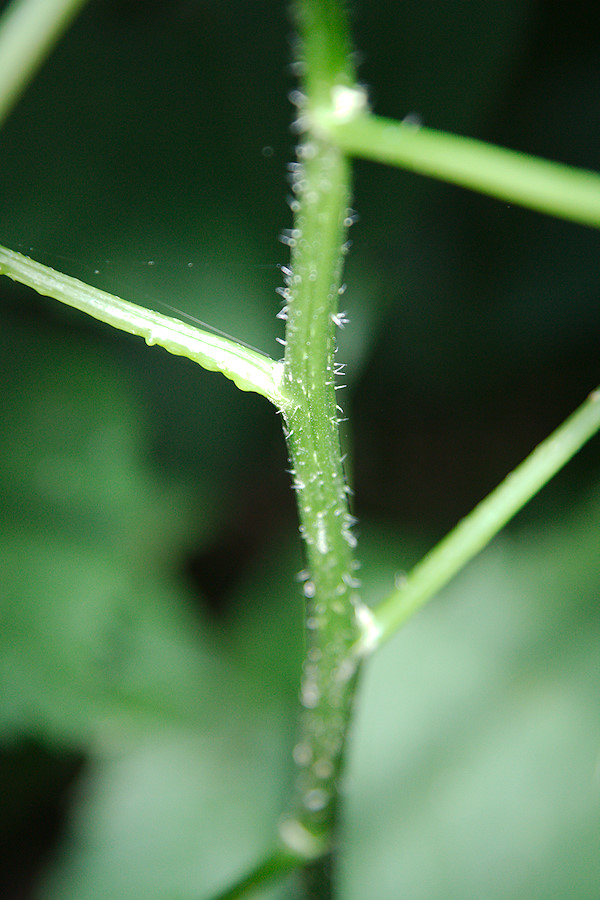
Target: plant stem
x: 539, y: 184
x: 318, y: 478
x: 476, y: 530
x: 28, y: 31
x: 248, y: 369
x: 321, y: 185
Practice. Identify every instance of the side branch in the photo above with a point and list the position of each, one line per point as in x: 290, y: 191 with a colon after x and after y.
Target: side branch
x: 543, y: 185
x: 478, y: 528
x: 248, y: 369
x: 28, y: 31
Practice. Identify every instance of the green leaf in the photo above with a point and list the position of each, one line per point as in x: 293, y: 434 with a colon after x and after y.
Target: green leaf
x: 474, y: 766
x: 102, y: 651
x: 179, y: 816
x: 99, y: 636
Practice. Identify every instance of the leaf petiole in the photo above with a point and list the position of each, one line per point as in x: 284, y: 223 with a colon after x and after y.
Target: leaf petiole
x: 249, y: 369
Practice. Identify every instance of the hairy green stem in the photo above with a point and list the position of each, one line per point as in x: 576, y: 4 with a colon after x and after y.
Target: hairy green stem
x: 539, y: 184
x: 476, y: 530
x: 321, y: 186
x: 330, y: 585
x: 248, y: 369
x: 28, y: 31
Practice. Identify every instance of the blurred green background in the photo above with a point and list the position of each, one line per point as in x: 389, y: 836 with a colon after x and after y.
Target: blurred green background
x: 151, y: 624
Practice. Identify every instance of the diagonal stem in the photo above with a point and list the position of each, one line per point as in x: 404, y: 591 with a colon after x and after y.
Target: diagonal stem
x: 540, y: 184
x: 476, y: 530
x: 28, y: 31
x: 248, y: 369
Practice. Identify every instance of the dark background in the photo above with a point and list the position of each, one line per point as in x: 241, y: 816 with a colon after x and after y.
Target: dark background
x: 149, y: 158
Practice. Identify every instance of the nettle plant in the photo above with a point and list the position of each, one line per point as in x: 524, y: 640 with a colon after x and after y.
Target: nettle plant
x: 333, y: 122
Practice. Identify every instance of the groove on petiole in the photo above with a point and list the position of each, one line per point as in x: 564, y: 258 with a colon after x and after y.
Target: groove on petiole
x: 249, y: 369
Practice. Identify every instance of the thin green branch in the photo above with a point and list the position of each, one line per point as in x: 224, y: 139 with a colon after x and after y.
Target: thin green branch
x: 28, y: 31
x: 542, y: 185
x: 472, y: 534
x: 248, y: 369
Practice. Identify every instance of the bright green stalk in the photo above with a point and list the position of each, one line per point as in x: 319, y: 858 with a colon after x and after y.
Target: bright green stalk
x: 28, y: 31
x: 538, y: 184
x: 476, y: 530
x: 335, y: 615
x: 248, y: 369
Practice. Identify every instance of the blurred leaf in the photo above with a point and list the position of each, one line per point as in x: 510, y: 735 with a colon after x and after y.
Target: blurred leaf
x: 102, y: 650
x: 474, y: 766
x: 266, y: 634
x: 180, y: 816
x: 98, y: 630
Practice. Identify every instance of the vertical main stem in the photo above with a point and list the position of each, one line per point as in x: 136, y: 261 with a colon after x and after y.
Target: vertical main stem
x: 330, y: 587
x: 321, y: 186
